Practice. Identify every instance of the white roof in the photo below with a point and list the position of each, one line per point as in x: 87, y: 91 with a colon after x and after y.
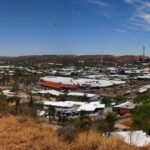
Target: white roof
x: 81, y: 94
x: 82, y: 106
x: 138, y: 138
x: 42, y: 92
x: 127, y: 104
x: 147, y: 76
x: 112, y: 68
x: 65, y: 80
x: 58, y: 93
x: 62, y: 103
x: 7, y: 67
x: 52, y: 92
x: 142, y: 90
x: 83, y: 81
x: 8, y: 93
x: 91, y: 106
x: 95, y: 76
x: 147, y: 86
x: 40, y: 113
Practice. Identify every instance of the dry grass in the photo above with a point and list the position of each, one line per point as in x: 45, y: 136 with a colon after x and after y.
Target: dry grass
x: 93, y: 141
x: 127, y: 122
x: 26, y: 134
x: 18, y: 133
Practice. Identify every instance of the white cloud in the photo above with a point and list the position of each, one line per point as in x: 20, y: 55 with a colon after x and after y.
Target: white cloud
x: 145, y: 17
x: 141, y: 15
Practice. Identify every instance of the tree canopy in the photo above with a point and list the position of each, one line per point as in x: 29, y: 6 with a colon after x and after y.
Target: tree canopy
x: 141, y: 117
x: 107, y: 101
x: 119, y: 99
x: 144, y: 98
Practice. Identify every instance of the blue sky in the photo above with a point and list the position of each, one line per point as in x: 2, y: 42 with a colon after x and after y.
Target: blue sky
x: 74, y: 27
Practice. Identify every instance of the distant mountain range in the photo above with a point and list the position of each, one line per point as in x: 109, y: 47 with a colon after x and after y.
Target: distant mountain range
x: 110, y: 58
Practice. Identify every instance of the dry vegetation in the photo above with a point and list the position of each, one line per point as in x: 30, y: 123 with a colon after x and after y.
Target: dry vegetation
x: 127, y: 122
x: 22, y: 133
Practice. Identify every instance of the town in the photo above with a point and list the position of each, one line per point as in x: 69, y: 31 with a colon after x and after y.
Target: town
x: 80, y: 93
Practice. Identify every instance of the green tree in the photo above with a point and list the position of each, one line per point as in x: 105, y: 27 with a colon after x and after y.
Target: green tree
x: 107, y: 125
x: 31, y: 101
x: 15, y: 99
x: 51, y: 112
x: 15, y: 88
x: 5, y: 77
x: 84, y: 121
x: 144, y: 98
x: 17, y: 75
x: 141, y: 117
x: 110, y: 120
x: 119, y: 99
x: 3, y: 103
x: 107, y: 101
x: 17, y: 107
x: 64, y: 96
x: 85, y: 98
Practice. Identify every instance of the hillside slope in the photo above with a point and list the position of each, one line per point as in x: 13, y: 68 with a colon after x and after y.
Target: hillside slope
x: 18, y: 133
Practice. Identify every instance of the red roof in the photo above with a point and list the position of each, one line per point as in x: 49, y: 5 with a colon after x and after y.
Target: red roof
x: 56, y: 85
